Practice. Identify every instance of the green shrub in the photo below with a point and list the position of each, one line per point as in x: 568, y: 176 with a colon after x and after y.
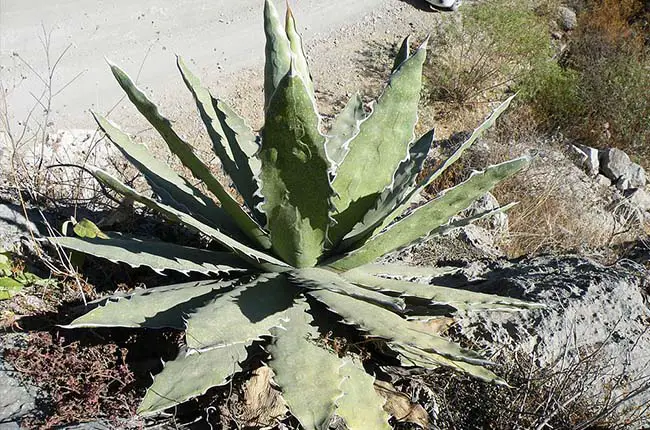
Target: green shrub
x: 318, y: 210
x: 553, y: 92
x: 494, y: 45
x: 599, y: 92
x: 614, y: 92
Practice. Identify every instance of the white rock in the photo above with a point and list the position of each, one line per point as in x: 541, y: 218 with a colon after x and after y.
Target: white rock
x: 14, y: 225
x: 567, y: 18
x: 636, y: 175
x: 481, y: 239
x: 589, y: 158
x: 617, y: 166
x: 614, y: 163
x: 590, y: 308
x: 640, y: 198
x: 603, y: 180
x: 623, y: 184
x: 498, y: 223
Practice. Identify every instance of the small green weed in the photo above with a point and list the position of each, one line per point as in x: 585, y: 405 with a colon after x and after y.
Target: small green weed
x: 13, y: 276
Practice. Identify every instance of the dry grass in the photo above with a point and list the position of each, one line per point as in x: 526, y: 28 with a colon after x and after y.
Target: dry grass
x: 547, y: 220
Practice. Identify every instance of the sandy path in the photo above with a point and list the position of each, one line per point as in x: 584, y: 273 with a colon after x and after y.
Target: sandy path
x: 221, y: 39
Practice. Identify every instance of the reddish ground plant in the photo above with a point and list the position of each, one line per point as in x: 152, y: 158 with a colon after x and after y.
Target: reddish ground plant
x: 82, y: 382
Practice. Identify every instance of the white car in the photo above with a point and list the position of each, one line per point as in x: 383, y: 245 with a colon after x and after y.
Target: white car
x: 445, y: 4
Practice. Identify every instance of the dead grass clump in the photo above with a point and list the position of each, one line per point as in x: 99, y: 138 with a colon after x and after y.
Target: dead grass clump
x: 553, y: 217
x: 557, y: 396
x: 83, y: 382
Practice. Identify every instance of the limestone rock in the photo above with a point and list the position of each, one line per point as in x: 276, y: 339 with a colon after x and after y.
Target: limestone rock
x: 13, y: 225
x: 617, y: 166
x: 614, y: 163
x: 480, y: 238
x: 594, y: 313
x: 498, y: 223
x: 637, y: 176
x: 622, y: 184
x: 603, y: 180
x: 589, y: 159
x: 16, y: 399
x: 567, y: 18
x: 639, y: 198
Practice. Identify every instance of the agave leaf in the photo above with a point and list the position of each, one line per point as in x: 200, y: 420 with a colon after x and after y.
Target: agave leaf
x: 189, y: 159
x: 155, y: 254
x: 295, y: 182
x: 360, y: 406
x: 245, y: 146
x: 297, y: 51
x: 382, y: 143
x: 344, y: 128
x: 384, y: 324
x: 402, y: 270
x: 252, y: 256
x: 458, y: 298
x: 242, y: 315
x: 476, y: 134
x: 403, y: 183
x: 278, y: 51
x: 307, y: 374
x: 314, y: 277
x: 172, y: 189
x: 427, y: 218
x: 233, y: 141
x: 410, y: 356
x: 152, y: 308
x: 459, y: 223
x: 403, y: 53
x: 191, y: 375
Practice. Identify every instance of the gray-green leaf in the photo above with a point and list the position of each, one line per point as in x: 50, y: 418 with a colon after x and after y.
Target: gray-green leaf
x: 172, y: 188
x: 295, y: 182
x: 425, y: 219
x: 186, y: 154
x: 232, y: 140
x: 307, y: 374
x: 314, y: 277
x: 381, y: 144
x: 458, y: 298
x: 152, y: 308
x: 242, y: 315
x: 155, y: 254
x: 278, y: 51
x: 360, y: 406
x: 253, y: 256
x: 428, y: 180
x: 191, y: 375
x: 403, y: 183
x: 387, y: 325
x: 344, y: 128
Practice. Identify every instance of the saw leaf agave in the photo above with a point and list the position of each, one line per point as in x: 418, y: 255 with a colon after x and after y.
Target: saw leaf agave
x: 318, y: 210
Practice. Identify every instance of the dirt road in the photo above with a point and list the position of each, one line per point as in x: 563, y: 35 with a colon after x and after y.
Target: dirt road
x: 220, y: 39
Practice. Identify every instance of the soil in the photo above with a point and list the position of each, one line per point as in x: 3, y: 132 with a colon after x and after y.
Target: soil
x: 222, y: 41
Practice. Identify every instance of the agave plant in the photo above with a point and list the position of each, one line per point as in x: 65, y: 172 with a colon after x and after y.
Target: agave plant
x: 318, y: 210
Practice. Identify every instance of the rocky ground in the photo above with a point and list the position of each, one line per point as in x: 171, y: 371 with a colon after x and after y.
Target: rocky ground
x: 578, y: 243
